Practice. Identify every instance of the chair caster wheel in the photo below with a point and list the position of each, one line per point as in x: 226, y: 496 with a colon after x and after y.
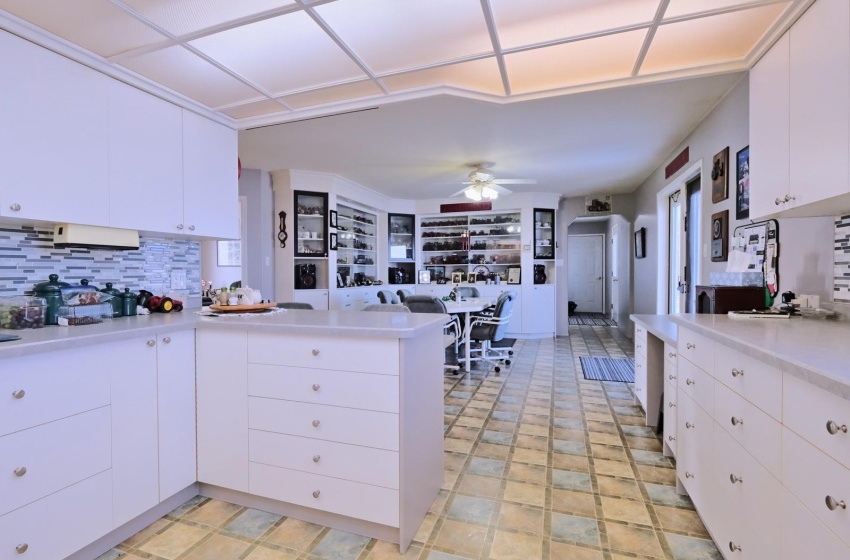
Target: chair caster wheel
x: 497, y: 369
x: 507, y: 362
x: 510, y: 352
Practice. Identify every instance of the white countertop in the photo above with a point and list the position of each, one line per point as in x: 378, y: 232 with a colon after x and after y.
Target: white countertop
x: 659, y: 325
x: 814, y: 350
x: 334, y: 323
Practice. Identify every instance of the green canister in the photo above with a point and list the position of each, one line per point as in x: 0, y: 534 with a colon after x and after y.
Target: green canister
x: 116, y: 301
x: 51, y: 291
x: 128, y: 303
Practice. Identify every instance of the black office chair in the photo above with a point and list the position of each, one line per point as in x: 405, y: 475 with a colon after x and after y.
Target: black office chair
x: 386, y: 296
x: 403, y: 294
x: 237, y: 284
x: 451, y: 330
x: 490, y: 331
x: 294, y: 305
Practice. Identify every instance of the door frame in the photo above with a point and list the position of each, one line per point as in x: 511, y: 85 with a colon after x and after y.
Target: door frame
x: 614, y: 305
x: 662, y: 272
x: 603, y: 236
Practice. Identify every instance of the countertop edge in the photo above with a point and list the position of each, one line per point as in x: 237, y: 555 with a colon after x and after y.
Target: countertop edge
x: 651, y: 323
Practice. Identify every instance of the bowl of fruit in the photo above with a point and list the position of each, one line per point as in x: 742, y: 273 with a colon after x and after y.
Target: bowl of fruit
x: 22, y: 312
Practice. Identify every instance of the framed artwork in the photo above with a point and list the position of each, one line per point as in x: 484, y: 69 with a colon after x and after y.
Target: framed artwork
x: 340, y: 280
x: 720, y: 176
x: 333, y: 219
x: 437, y: 272
x: 333, y: 241
x: 471, y: 278
x: 229, y: 253
x: 640, y: 243
x: 719, y: 236
x: 514, y: 275
x: 742, y: 190
x: 424, y: 276
x: 457, y: 277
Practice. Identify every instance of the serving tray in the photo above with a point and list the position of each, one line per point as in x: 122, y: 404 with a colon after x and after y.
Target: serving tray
x: 243, y: 308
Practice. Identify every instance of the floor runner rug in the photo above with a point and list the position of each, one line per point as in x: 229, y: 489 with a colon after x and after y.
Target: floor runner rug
x: 591, y: 319
x: 608, y: 369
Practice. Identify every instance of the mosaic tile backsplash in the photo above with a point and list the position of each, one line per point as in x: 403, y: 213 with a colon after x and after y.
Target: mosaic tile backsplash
x: 27, y: 257
x: 842, y: 259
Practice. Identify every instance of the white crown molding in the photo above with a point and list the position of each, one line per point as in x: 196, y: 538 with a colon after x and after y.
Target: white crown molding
x: 767, y: 41
x: 26, y: 30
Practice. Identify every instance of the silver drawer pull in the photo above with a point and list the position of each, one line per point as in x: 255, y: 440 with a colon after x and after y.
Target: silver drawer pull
x: 151, y: 343
x: 671, y: 354
x: 672, y: 405
x: 316, y: 423
x: 316, y: 493
x: 737, y: 421
x: 732, y: 546
x: 317, y: 458
x: 20, y: 471
x: 737, y: 372
x: 690, y: 382
x: 689, y: 475
x: 671, y: 377
x: 179, y: 226
x: 690, y: 346
x: 315, y: 351
x: 834, y: 428
x: 21, y: 548
x: 671, y: 438
x: 19, y: 394
x: 834, y: 504
x: 735, y: 479
x: 789, y: 198
x: 316, y: 386
x: 191, y: 228
x: 15, y: 207
x: 778, y: 201
x: 689, y: 426
x: 167, y: 340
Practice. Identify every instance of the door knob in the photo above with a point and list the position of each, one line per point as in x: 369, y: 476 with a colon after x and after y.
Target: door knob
x: 789, y: 198
x: 599, y: 278
x: 689, y: 475
x: 690, y: 382
x: 690, y: 346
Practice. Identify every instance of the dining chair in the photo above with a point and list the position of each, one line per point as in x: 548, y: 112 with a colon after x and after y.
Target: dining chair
x: 451, y: 330
x: 403, y: 294
x: 387, y: 308
x: 386, y: 296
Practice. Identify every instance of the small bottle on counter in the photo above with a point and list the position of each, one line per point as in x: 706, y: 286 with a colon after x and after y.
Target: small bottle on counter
x: 222, y: 296
x: 233, y: 298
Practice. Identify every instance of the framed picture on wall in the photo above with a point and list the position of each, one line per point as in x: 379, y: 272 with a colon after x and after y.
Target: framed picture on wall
x: 333, y: 242
x: 742, y: 189
x: 720, y: 176
x: 424, y: 276
x: 640, y: 243
x: 229, y: 253
x: 333, y: 219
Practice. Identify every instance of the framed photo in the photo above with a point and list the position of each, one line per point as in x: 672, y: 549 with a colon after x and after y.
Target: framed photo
x: 333, y: 219
x: 720, y: 176
x: 230, y: 253
x: 340, y: 280
x: 640, y: 243
x: 742, y: 190
x: 457, y: 277
x: 514, y: 275
x: 333, y: 241
x: 437, y: 272
x: 424, y: 276
x: 719, y: 236
x: 471, y: 278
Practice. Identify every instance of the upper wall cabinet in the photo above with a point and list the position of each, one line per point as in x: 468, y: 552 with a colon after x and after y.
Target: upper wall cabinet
x: 53, y: 136
x: 800, y: 118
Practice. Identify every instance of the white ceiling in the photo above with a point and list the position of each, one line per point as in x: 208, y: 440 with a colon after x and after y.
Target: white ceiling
x: 457, y: 81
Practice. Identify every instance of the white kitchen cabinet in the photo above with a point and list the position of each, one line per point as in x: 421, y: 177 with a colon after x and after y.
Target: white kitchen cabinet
x: 770, y: 133
x: 804, y: 536
x: 176, y: 412
x: 538, y: 309
x: 210, y: 183
x: 317, y: 298
x: 135, y: 441
x: 53, y: 137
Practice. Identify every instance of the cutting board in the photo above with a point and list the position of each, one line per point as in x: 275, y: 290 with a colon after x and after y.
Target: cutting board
x: 242, y: 308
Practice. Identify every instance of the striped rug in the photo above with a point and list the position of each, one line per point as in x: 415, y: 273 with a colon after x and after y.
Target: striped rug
x: 591, y: 319
x: 608, y: 369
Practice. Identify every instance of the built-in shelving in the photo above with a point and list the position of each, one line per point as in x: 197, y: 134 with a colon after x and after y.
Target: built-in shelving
x: 357, y: 246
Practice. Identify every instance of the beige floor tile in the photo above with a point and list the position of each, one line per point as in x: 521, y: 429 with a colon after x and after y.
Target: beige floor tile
x: 481, y: 486
x: 618, y: 487
x: 439, y: 502
x: 680, y: 521
x: 561, y: 551
x: 390, y: 551
x: 461, y: 537
x: 521, y: 518
x: 501, y: 426
x: 657, y: 475
x: 532, y: 442
x: 568, y: 434
x: 537, y: 410
x: 535, y: 419
x: 578, y: 503
x: 147, y: 532
x: 458, y: 445
x: 464, y: 432
x: 633, y: 539
x: 263, y: 553
x: 599, y: 417
x: 531, y: 456
x: 525, y: 493
x: 605, y: 439
x: 534, y: 430
x: 470, y: 421
x: 294, y: 534
x: 527, y: 473
x: 492, y: 451
x: 454, y: 461
x: 630, y: 511
x: 575, y: 463
x: 515, y: 546
x: 219, y: 547
x: 613, y: 468
x: 449, y: 479
x: 608, y: 452
x: 605, y: 427
x: 566, y: 413
x: 423, y: 534
x: 632, y: 420
x: 213, y: 513
x: 174, y: 541
x: 649, y: 444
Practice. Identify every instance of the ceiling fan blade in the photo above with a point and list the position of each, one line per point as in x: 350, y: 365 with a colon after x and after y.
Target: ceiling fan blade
x: 515, y: 181
x: 458, y: 193
x: 500, y: 190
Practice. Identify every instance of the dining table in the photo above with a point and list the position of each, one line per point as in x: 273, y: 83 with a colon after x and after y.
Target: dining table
x: 468, y: 306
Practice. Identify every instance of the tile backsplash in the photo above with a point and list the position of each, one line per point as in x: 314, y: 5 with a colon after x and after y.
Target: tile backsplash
x: 842, y: 259
x: 27, y: 257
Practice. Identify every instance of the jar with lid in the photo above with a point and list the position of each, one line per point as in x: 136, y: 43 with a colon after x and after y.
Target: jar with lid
x: 129, y: 300
x: 51, y: 292
x: 232, y: 297
x: 222, y: 296
x: 117, y: 303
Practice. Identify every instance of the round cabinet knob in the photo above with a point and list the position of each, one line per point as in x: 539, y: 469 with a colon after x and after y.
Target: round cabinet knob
x: 735, y: 479
x: 179, y: 226
x: 639, y: 346
x: 671, y: 438
x: 690, y: 346
x: 316, y: 423
x: 689, y: 426
x: 15, y: 208
x: 167, y: 340
x: 315, y: 351
x: 191, y: 228
x: 778, y: 201
x: 151, y: 343
x: 672, y: 405
x: 834, y: 504
x: 671, y: 354
x: 689, y: 475
x: 737, y: 421
x: 671, y: 377
x: 833, y: 428
x: 19, y: 394
x: 734, y: 547
x: 20, y: 471
x: 317, y: 458
x: 737, y: 372
x: 316, y: 493
x: 21, y: 548
x: 789, y: 198
x: 316, y: 386
x: 690, y: 382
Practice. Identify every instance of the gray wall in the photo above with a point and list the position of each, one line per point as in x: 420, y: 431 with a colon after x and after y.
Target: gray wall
x: 255, y: 185
x: 806, y: 244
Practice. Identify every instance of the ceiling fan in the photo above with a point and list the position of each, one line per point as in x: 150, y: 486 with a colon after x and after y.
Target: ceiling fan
x: 483, y: 185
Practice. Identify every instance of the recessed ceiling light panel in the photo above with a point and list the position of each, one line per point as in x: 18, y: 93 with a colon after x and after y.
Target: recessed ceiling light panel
x: 187, y: 16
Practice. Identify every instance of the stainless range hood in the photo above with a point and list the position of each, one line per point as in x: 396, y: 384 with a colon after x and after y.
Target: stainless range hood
x: 94, y: 237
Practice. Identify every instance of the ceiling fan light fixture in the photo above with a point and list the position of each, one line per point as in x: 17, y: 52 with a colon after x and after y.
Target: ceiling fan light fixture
x: 473, y: 193
x: 489, y: 193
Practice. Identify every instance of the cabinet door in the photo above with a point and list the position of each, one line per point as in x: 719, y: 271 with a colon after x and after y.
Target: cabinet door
x: 820, y: 112
x: 53, y: 137
x: 210, y: 183
x: 135, y: 455
x: 319, y: 299
x: 539, y: 309
x: 145, y: 161
x: 770, y: 135
x: 176, y: 405
x: 804, y: 536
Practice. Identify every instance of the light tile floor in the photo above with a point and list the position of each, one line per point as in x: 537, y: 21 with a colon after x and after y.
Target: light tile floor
x: 539, y: 463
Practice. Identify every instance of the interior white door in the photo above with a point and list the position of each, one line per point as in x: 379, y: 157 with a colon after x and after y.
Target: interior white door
x: 585, y: 263
x: 615, y: 280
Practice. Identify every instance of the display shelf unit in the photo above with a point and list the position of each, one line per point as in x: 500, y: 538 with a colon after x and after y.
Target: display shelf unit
x: 357, y: 246
x: 311, y: 224
x: 544, y: 234
x: 484, y: 244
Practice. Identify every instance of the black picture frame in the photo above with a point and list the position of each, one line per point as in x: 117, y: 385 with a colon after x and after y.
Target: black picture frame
x: 742, y: 184
x: 333, y: 241
x: 333, y: 219
x: 437, y: 272
x: 640, y: 243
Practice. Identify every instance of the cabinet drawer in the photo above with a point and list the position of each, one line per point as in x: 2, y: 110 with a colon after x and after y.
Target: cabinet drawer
x: 339, y: 460
x: 694, y: 445
x: 332, y: 423
x: 640, y: 379
x: 812, y: 476
x: 338, y: 388
x: 756, y: 381
x: 366, y: 355
x: 698, y: 384
x: 671, y: 373
x: 804, y: 536
x: 671, y: 409
x: 696, y: 348
x: 670, y: 354
x: 60, y: 524
x: 640, y: 339
x: 361, y: 501
x: 814, y: 413
x: 46, y: 393
x: 53, y: 456
x: 757, y: 432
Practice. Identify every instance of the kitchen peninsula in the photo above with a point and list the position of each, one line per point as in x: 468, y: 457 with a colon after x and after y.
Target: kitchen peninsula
x: 325, y: 416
